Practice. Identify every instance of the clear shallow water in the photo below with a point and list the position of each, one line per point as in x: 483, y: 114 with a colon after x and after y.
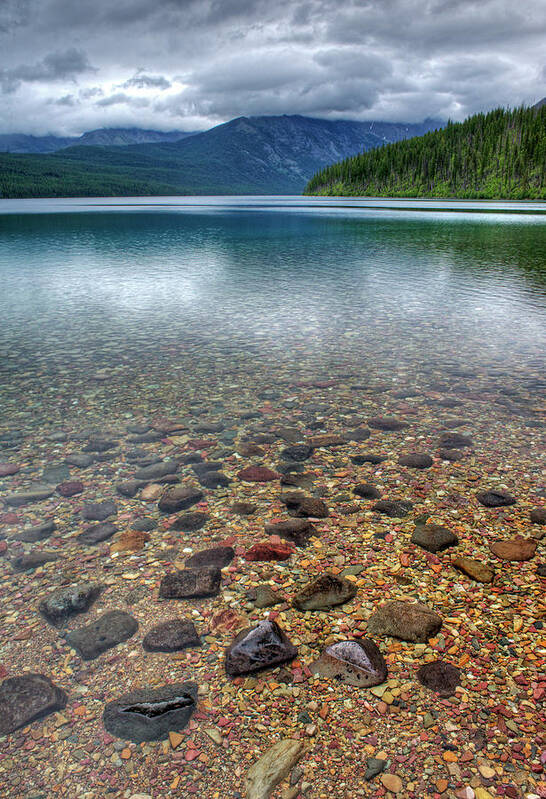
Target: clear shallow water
x: 91, y: 284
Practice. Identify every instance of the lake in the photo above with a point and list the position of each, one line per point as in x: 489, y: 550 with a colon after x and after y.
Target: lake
x: 325, y: 341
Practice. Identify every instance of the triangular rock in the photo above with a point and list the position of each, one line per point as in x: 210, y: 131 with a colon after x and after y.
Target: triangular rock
x: 257, y: 648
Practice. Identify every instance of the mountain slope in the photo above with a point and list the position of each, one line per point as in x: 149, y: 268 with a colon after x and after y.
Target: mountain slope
x: 255, y: 155
x: 22, y: 143
x: 501, y: 154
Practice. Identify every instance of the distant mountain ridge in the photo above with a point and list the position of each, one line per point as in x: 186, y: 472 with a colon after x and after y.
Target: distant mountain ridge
x: 248, y: 155
x: 23, y: 143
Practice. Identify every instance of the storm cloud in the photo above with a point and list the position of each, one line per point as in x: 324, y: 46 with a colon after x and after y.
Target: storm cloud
x: 190, y: 64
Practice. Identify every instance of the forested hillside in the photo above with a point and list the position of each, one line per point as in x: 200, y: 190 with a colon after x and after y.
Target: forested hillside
x: 501, y: 154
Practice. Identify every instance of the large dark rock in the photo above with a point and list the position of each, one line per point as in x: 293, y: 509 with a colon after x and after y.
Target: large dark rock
x: 416, y: 460
x: 191, y: 583
x: 325, y: 592
x: 357, y: 663
x: 257, y: 474
x: 369, y: 457
x: 359, y: 434
x: 409, y: 621
x: 220, y: 557
x: 454, y: 441
x: 156, y: 470
x: 538, y: 516
x: 299, y: 452
x: 28, y: 698
x: 213, y: 480
x: 260, y: 647
x: 97, y: 533
x: 32, y: 560
x: 439, y: 676
x: 387, y: 423
x: 244, y: 508
x: 297, y: 530
x: 28, y: 497
x: 179, y: 498
x: 151, y: 713
x: 433, y: 537
x: 130, y: 488
x: 366, y: 491
x: 307, y: 507
x: 495, y: 499
x: 189, y: 522
x: 394, y: 508
x: 171, y: 636
x: 30, y: 535
x: 66, y: 602
x: 108, y: 630
x: 70, y: 488
x: 99, y: 511
x: 99, y: 445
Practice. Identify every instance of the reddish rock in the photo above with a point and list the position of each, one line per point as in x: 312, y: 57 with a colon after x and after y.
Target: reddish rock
x: 7, y: 469
x: 70, y: 488
x: 268, y: 551
x: 130, y: 541
x: 3, y: 547
x: 257, y: 474
x: 514, y: 549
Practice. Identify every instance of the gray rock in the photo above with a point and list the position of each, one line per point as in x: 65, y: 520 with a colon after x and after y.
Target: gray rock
x: 189, y: 522
x: 454, y: 441
x: 130, y: 488
x: 416, y: 460
x: 394, y: 508
x: 325, y: 592
x: 55, y: 473
x: 257, y: 648
x: 150, y: 714
x: 439, y: 676
x: 156, y: 470
x: 213, y: 480
x: 357, y: 663
x: 108, y: 630
x: 266, y: 597
x: 66, y: 602
x: 366, y: 491
x: 179, y: 498
x: 30, y: 535
x: 299, y: 531
x: 99, y: 445
x: 171, y: 636
x: 433, y: 537
x: 80, y: 460
x: 31, y: 495
x: 220, y: 557
x: 99, y: 511
x: 144, y: 525
x: 32, y: 560
x: 408, y: 621
x: 28, y: 698
x: 97, y: 533
x: 191, y: 583
x: 299, y: 452
x: 374, y: 767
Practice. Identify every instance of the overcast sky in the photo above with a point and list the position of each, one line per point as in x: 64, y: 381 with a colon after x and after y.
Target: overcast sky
x: 67, y: 66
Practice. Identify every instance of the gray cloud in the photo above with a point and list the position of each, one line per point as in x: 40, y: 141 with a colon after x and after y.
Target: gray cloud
x: 210, y: 60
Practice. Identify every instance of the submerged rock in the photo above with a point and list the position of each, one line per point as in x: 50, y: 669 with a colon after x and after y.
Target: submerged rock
x: 191, y: 583
x: 66, y: 602
x: 416, y: 460
x: 266, y: 597
x: 27, y: 698
x: 266, y: 551
x: 32, y: 560
x: 369, y: 457
x: 179, y: 498
x: 357, y: 663
x: 366, y: 491
x: 30, y: 535
x: 387, y: 423
x: 189, y: 522
x: 454, y: 441
x: 99, y: 511
x: 538, y: 516
x: 151, y: 713
x: 474, y: 568
x: 244, y: 508
x: 31, y: 495
x: 108, y: 630
x: 171, y: 636
x: 260, y: 647
x: 297, y: 530
x: 220, y: 557
x: 97, y: 533
x: 433, y: 537
x: 273, y: 767
x: 156, y: 470
x: 307, y: 507
x: 408, y: 621
x: 325, y: 592
x: 299, y: 452
x: 517, y: 549
x: 439, y: 676
x: 495, y: 499
x: 394, y: 508
x: 257, y: 474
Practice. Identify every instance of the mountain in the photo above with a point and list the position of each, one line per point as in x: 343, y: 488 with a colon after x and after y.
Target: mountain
x: 540, y: 103
x: 498, y: 155
x: 249, y: 155
x: 22, y: 143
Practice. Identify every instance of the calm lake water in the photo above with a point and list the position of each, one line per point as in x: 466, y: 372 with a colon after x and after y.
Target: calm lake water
x: 288, y: 285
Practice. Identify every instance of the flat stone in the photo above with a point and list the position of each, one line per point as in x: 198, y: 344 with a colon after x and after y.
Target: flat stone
x: 189, y: 522
x: 408, y: 621
x: 151, y: 713
x: 267, y: 551
x: 55, y: 473
x: 308, y: 507
x: 99, y: 445
x: 97, y: 533
x: 27, y: 698
x: 451, y: 454
x: 387, y: 423
x: 130, y: 541
x: 392, y: 782
x: 80, y: 460
x: 7, y: 469
x: 129, y: 488
x: 191, y: 583
x: 394, y: 508
x: 538, y: 516
x: 28, y: 497
x: 495, y: 499
x: 359, y: 434
x: 179, y: 498
x: 357, y: 663
x: 266, y: 597
x: 517, y: 549
x: 63, y: 603
x: 433, y: 537
x: 244, y: 508
x: 455, y: 441
x: 369, y: 457
x: 144, y: 525
x: 30, y: 535
x: 325, y: 592
x: 171, y: 636
x: 260, y: 647
x: 156, y: 470
x: 257, y: 474
x: 366, y: 491
x: 299, y: 452
x: 416, y: 460
x: 32, y: 560
x: 273, y: 767
x: 439, y: 676
x: 297, y: 530
x: 70, y: 488
x: 107, y: 631
x: 219, y: 557
x: 99, y: 511
x: 213, y: 480
x: 475, y: 569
